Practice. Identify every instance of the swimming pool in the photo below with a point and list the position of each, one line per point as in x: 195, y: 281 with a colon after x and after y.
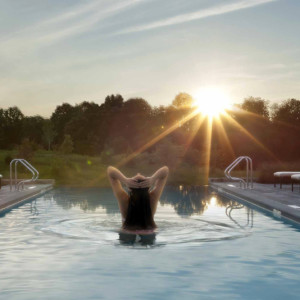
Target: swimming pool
x: 66, y: 245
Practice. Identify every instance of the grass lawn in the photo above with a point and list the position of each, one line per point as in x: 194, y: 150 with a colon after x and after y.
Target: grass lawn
x: 90, y: 171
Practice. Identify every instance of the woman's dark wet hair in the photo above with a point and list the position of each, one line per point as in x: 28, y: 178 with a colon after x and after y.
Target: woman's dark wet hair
x: 139, y: 214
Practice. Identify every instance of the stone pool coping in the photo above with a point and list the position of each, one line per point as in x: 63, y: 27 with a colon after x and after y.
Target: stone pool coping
x: 10, y: 199
x: 281, y: 202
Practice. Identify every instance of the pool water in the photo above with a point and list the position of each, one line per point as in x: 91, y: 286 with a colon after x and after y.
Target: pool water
x: 66, y: 245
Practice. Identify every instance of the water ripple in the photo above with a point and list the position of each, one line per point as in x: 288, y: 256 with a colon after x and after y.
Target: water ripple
x: 104, y: 231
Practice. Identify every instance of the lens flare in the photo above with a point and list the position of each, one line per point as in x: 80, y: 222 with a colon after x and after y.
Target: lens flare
x: 211, y: 101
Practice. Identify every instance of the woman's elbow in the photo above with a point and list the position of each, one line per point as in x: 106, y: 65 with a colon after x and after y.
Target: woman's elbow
x: 165, y: 171
x: 109, y: 170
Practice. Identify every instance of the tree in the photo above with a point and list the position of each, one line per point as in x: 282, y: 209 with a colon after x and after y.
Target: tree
x: 48, y: 133
x: 288, y: 111
x: 137, y: 106
x: 133, y: 122
x: 60, y: 117
x: 183, y: 100
x: 257, y: 106
x: 10, y: 127
x: 26, y: 150
x: 32, y: 128
x: 67, y: 146
x: 87, y: 128
x: 286, y: 129
x: 113, y: 101
x: 2, y: 128
x: 168, y: 153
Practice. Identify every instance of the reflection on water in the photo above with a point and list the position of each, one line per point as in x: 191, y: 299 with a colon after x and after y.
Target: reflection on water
x: 185, y: 215
x: 192, y: 200
x: 67, y: 244
x: 186, y: 201
x: 86, y: 199
x: 233, y: 206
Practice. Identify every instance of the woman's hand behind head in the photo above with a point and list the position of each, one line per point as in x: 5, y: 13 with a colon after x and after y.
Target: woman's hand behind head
x: 147, y: 182
x: 140, y: 181
x: 132, y: 183
x: 139, y: 177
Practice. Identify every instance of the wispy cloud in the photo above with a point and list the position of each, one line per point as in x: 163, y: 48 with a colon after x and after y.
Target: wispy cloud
x: 75, y: 12
x: 204, y: 13
x: 89, y: 21
x: 77, y: 21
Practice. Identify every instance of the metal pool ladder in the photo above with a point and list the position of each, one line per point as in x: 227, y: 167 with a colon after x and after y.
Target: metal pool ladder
x: 28, y: 166
x: 248, y: 181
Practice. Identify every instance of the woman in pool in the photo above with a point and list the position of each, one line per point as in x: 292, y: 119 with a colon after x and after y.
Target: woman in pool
x: 139, y: 206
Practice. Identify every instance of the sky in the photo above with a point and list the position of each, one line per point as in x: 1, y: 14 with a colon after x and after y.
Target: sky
x: 55, y: 51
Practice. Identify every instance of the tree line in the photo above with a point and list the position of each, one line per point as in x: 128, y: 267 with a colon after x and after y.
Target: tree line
x: 118, y: 127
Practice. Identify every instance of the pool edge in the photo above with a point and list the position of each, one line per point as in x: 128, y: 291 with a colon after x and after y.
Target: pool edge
x: 24, y: 198
x: 278, y: 211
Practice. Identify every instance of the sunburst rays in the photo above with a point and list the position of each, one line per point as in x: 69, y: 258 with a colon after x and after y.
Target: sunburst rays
x: 224, y: 137
x: 208, y: 147
x: 158, y: 138
x: 250, y: 135
x: 210, y: 122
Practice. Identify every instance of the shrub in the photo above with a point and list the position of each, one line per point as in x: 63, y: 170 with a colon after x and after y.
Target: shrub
x: 26, y: 149
x: 67, y: 145
x: 8, y: 159
x: 266, y: 171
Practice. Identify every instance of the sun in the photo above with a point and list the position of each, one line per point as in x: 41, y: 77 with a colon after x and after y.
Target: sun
x: 212, y: 101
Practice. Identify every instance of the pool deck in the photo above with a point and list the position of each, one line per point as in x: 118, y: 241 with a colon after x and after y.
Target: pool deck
x: 281, y: 202
x: 10, y: 199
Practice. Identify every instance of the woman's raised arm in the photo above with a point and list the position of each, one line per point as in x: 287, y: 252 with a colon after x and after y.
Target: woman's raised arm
x: 116, y: 178
x: 159, y: 179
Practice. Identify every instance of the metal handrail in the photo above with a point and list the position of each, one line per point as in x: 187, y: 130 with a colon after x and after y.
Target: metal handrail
x: 28, y: 166
x: 230, y: 167
x: 31, y: 169
x: 248, y: 183
x: 231, y: 207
